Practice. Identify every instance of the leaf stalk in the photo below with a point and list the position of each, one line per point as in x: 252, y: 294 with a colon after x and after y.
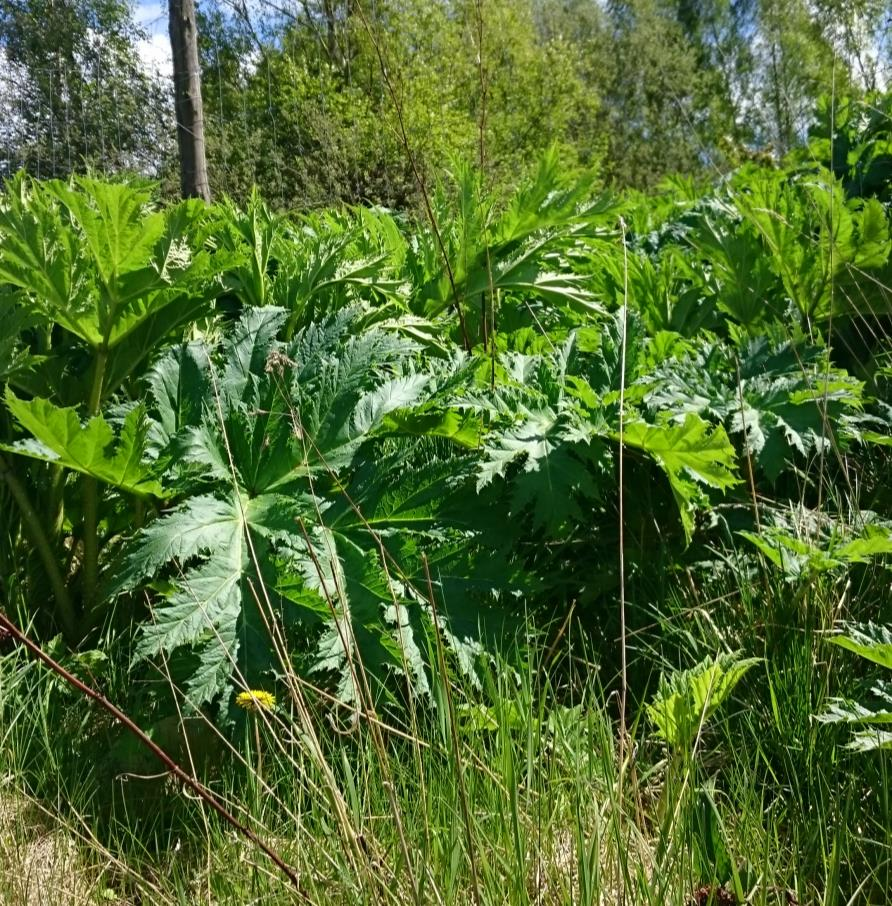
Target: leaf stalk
x: 34, y: 526
x: 91, y: 492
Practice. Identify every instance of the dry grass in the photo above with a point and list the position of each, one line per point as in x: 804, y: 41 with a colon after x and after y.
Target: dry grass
x: 41, y: 861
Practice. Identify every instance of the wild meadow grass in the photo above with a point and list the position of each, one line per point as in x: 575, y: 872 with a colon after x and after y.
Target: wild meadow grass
x: 503, y: 791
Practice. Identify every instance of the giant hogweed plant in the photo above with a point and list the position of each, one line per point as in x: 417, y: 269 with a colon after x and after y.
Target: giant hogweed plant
x: 298, y: 463
x: 528, y: 248
x: 490, y: 264
x: 91, y: 271
x: 548, y: 460
x: 560, y: 411
x: 851, y: 137
x: 872, y: 716
x: 315, y: 264
x: 787, y: 246
x: 317, y: 482
x: 784, y: 404
x: 820, y: 244
x: 94, y: 277
x: 301, y: 500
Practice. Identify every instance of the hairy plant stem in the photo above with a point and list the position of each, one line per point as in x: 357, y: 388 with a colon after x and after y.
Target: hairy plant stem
x: 35, y: 528
x: 91, y: 493
x: 99, y: 365
x: 56, y: 508
x: 90, y: 525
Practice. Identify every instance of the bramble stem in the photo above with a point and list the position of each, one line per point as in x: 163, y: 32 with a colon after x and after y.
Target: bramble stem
x: 8, y: 627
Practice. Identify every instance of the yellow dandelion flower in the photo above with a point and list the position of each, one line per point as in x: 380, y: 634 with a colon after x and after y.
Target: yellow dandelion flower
x: 256, y: 700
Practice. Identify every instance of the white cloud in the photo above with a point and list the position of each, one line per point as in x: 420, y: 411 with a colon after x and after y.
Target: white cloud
x: 154, y: 50
x: 155, y: 54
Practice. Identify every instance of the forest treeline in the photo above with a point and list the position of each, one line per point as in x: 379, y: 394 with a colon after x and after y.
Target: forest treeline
x: 327, y: 101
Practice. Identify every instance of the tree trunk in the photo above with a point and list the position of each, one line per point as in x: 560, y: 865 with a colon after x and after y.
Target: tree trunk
x: 187, y: 100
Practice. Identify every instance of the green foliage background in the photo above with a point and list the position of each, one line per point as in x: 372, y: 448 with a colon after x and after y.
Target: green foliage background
x: 298, y: 103
x: 223, y: 418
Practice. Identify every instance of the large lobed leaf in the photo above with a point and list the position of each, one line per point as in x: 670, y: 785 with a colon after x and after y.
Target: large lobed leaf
x: 218, y: 547
x: 92, y: 448
x: 262, y: 438
x: 868, y: 640
x: 97, y: 259
x: 691, y: 453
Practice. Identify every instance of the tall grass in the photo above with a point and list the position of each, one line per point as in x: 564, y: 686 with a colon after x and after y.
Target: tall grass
x: 768, y: 801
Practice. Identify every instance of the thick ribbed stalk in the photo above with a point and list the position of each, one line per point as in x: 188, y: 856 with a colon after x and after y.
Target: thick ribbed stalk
x: 91, y: 494
x: 56, y: 504
x: 34, y: 527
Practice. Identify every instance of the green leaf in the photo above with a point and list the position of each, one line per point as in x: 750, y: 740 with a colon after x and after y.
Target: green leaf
x: 94, y: 258
x: 844, y: 238
x: 523, y: 250
x: 870, y: 740
x: 248, y: 350
x: 868, y: 640
x: 462, y: 428
x: 873, y: 643
x: 879, y: 712
x: 688, y: 453
x: 203, y: 525
x: 209, y: 598
x: 371, y: 623
x: 14, y: 358
x: 790, y: 401
x: 874, y: 244
x: 40, y: 255
x: 92, y: 448
x: 687, y: 699
x: 276, y: 493
x: 874, y: 542
x: 792, y: 556
x: 374, y: 406
x: 796, y: 557
x: 113, y: 222
x: 214, y: 600
x: 179, y: 386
